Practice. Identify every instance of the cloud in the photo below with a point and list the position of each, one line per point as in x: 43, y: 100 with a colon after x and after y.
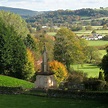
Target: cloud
x: 41, y: 5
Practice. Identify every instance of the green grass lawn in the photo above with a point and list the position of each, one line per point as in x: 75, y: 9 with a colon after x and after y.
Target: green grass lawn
x: 89, y: 69
x: 26, y: 101
x: 14, y: 82
x: 98, y: 43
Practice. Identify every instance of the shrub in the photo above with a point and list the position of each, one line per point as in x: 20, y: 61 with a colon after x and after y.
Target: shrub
x: 74, y: 81
x: 94, y: 84
x: 101, y: 76
x: 76, y: 77
x: 59, y: 69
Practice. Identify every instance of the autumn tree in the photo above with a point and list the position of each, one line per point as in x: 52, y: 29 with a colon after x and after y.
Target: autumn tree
x: 67, y: 48
x: 29, y: 67
x: 59, y: 69
x: 33, y: 44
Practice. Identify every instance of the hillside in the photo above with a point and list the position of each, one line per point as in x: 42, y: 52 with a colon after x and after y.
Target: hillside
x: 14, y: 82
x: 68, y: 17
x: 22, y: 12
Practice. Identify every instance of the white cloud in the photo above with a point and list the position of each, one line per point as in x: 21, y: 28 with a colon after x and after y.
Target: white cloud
x: 54, y: 4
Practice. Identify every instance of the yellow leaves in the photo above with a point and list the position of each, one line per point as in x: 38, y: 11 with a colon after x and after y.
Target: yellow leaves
x: 59, y: 69
x: 30, y: 55
x: 29, y: 68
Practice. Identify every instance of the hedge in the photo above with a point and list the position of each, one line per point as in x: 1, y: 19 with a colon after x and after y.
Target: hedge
x: 11, y: 90
x: 77, y: 94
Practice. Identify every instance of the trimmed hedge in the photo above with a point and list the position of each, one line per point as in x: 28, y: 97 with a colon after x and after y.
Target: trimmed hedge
x: 77, y: 94
x: 11, y: 90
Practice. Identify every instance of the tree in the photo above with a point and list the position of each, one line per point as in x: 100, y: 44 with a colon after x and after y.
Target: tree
x: 104, y: 64
x: 60, y: 71
x: 92, y: 54
x: 89, y: 27
x: 93, y: 32
x: 76, y: 27
x: 67, y: 48
x: 19, y: 24
x: 29, y: 67
x: 12, y: 51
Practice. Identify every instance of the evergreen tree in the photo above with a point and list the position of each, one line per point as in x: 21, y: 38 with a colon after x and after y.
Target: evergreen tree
x: 104, y: 64
x: 12, y: 51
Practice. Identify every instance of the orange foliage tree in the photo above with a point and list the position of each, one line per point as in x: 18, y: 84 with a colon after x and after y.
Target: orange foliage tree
x: 59, y: 69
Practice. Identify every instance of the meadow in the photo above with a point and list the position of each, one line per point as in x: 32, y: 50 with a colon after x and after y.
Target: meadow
x: 27, y: 101
x: 89, y: 69
x: 97, y: 43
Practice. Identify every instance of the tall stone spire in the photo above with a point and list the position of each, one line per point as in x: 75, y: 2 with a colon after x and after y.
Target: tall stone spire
x: 45, y: 60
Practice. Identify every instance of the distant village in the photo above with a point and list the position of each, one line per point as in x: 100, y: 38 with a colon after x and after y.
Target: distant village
x: 93, y: 36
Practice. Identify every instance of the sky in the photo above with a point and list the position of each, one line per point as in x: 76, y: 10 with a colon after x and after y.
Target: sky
x: 47, y: 5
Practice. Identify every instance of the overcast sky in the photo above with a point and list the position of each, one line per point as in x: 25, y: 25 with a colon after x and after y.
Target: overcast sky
x: 45, y: 5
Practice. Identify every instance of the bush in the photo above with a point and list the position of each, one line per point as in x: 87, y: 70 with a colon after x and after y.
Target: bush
x: 94, y: 84
x: 59, y: 69
x: 74, y: 81
x: 77, y: 94
x: 76, y: 77
x: 11, y: 90
x: 106, y: 86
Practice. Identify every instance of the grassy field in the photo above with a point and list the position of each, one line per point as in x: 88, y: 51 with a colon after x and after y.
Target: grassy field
x: 13, y: 82
x: 97, y: 43
x: 102, y: 52
x: 88, y: 32
x: 89, y: 69
x: 51, y: 33
x: 24, y: 101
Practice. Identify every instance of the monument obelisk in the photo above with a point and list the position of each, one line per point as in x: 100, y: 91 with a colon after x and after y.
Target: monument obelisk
x: 45, y: 79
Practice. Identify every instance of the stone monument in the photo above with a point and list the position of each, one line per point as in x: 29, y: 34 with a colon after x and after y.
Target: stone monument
x: 45, y: 79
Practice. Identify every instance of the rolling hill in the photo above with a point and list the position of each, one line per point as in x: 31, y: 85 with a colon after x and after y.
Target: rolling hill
x: 22, y: 12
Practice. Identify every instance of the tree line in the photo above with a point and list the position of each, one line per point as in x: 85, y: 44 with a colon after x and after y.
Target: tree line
x: 69, y: 17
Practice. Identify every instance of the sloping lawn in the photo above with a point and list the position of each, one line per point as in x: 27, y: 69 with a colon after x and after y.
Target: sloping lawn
x: 14, y: 82
x: 25, y: 101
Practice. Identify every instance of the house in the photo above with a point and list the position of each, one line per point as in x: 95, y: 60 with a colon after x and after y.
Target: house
x: 93, y: 37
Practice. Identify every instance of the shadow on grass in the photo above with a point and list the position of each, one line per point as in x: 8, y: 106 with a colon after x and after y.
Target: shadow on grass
x: 88, y: 67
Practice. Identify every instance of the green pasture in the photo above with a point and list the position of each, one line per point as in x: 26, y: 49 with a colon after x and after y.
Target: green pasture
x: 51, y: 33
x: 27, y: 101
x: 104, y: 32
x: 83, y: 32
x: 89, y: 69
x: 102, y: 53
x: 97, y: 43
x: 14, y: 82
x: 88, y: 32
x: 97, y: 27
